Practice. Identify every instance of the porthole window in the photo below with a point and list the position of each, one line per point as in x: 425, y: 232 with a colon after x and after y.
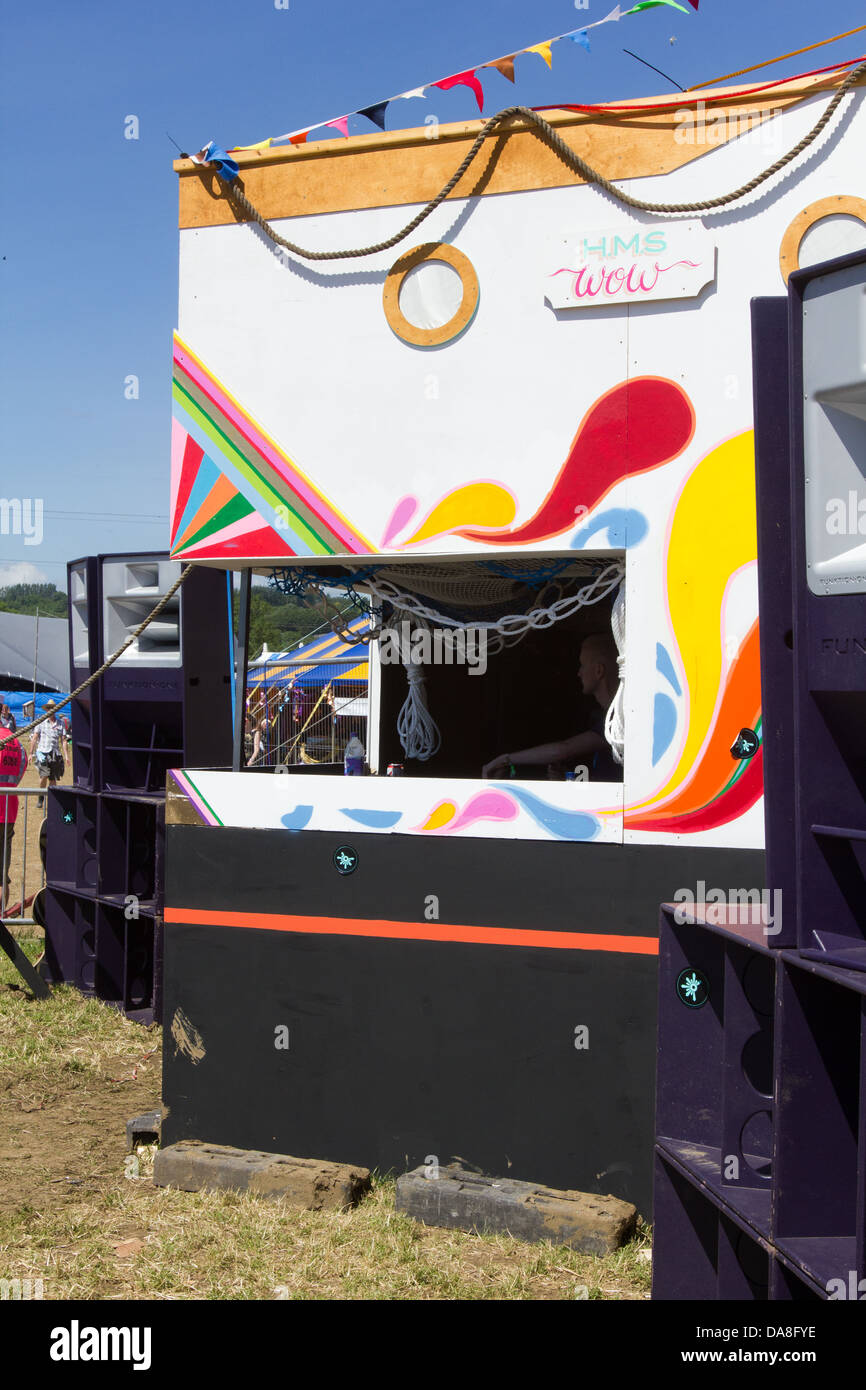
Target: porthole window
x: 824, y: 230
x: 431, y: 295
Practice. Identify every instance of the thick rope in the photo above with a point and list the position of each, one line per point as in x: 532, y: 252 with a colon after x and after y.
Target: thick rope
x: 614, y: 723
x: 570, y: 158
x: 417, y: 730
x: 771, y: 62
x: 111, y: 660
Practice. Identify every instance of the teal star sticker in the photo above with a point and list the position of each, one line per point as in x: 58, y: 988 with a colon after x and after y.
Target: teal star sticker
x: 345, y: 860
x: 68, y: 817
x: 691, y: 986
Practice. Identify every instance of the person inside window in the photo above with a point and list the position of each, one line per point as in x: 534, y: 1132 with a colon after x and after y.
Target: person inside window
x: 599, y: 678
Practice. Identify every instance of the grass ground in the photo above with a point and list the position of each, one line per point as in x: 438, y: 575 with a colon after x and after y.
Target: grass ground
x: 81, y: 1214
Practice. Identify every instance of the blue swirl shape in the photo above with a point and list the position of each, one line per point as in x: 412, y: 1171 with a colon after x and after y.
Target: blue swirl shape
x: 377, y: 820
x: 664, y: 725
x: 666, y: 666
x: 297, y: 819
x: 625, y: 526
x: 565, y: 825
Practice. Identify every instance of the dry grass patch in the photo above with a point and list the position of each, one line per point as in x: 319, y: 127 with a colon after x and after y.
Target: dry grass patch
x: 75, y: 1212
x: 139, y: 1242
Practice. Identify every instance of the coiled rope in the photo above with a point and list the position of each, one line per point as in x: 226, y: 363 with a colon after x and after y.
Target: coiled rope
x: 569, y: 157
x: 614, y: 722
x: 417, y: 730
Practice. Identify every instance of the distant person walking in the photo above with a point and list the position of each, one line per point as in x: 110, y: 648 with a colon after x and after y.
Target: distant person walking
x: 13, y: 762
x: 49, y: 743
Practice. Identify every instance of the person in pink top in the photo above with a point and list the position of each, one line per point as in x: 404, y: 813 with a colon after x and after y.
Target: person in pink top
x: 13, y: 762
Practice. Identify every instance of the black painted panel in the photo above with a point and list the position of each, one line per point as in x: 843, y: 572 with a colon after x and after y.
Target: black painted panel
x: 402, y: 1049
x: 537, y: 884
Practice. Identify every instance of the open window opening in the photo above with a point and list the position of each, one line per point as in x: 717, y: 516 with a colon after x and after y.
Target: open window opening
x: 495, y: 668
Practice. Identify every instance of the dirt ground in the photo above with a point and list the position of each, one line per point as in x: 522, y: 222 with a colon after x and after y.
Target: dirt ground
x: 83, y: 1216
x: 68, y: 1145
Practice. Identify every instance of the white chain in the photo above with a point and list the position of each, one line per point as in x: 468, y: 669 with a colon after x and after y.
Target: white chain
x: 504, y: 631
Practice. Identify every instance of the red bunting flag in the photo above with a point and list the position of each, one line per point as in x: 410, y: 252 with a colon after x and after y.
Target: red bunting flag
x: 469, y: 78
x: 463, y: 79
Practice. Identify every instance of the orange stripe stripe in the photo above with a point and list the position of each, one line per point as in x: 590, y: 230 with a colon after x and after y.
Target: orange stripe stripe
x: 414, y: 931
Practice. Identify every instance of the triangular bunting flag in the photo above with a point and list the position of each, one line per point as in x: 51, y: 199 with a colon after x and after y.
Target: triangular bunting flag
x: 376, y: 113
x: 504, y: 65
x: 543, y: 51
x: 261, y: 146
x: 464, y: 79
x: 651, y: 5
x: 292, y: 137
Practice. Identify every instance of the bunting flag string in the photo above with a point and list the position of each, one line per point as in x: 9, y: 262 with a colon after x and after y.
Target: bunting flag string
x: 470, y: 78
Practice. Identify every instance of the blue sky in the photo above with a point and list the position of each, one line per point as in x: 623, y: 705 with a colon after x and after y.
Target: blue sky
x: 89, y: 219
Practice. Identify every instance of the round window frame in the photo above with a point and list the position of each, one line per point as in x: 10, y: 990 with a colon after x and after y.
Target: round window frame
x: 397, y: 320
x: 838, y: 205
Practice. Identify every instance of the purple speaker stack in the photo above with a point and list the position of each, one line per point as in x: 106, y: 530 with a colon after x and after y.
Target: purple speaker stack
x: 165, y: 703
x: 760, y: 1155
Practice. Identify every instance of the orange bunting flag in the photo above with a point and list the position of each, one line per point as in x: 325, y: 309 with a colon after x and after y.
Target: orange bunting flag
x: 505, y: 66
x: 464, y: 79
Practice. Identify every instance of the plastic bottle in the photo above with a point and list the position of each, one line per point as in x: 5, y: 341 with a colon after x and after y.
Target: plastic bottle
x: 353, y: 758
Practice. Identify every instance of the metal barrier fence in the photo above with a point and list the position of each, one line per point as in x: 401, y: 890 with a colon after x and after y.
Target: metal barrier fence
x: 306, y: 725
x: 23, y: 870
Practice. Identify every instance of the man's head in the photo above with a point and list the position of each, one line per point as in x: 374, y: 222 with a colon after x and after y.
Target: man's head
x: 598, y: 670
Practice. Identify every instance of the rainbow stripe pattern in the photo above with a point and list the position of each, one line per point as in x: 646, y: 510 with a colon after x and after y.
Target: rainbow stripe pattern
x: 234, y: 492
